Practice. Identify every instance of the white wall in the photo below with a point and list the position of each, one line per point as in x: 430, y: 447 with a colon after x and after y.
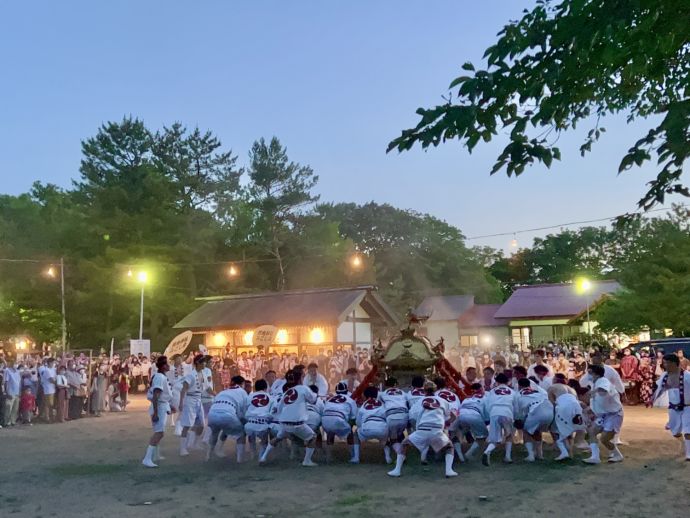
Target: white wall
x: 448, y: 329
x: 363, y: 330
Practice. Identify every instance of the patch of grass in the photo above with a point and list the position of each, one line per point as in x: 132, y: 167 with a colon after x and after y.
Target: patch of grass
x: 351, y: 500
x: 87, y: 470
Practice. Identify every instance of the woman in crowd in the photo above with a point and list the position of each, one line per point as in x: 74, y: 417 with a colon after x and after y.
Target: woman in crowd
x: 646, y: 372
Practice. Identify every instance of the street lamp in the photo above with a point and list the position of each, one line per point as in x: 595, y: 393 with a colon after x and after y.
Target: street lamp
x: 142, y: 278
x: 584, y: 286
x: 50, y: 272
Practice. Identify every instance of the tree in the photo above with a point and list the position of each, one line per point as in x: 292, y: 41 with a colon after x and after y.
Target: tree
x: 203, y: 175
x: 413, y: 254
x: 511, y: 271
x: 569, y: 62
x: 570, y: 253
x: 656, y: 280
x: 279, y: 190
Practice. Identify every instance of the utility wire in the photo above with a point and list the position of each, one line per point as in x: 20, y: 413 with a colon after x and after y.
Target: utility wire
x: 585, y: 222
x: 271, y: 259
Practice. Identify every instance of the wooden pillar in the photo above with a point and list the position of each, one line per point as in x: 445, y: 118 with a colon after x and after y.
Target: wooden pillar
x: 354, y: 332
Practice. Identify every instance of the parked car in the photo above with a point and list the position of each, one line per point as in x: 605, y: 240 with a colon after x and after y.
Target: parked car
x: 667, y: 345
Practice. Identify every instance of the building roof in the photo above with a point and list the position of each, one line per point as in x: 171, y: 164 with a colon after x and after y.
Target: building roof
x: 553, y: 300
x: 445, y: 307
x: 329, y: 306
x: 481, y: 315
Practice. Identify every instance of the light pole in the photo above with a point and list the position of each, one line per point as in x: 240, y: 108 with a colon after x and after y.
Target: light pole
x: 584, y: 286
x: 142, y: 278
x: 51, y: 273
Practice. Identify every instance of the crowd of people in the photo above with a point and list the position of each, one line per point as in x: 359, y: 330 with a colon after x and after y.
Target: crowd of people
x: 498, y: 407
x: 47, y: 389
x: 261, y: 399
x: 639, y: 371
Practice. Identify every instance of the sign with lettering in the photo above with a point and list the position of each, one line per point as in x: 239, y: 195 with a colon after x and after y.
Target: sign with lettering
x: 178, y: 344
x: 264, y: 336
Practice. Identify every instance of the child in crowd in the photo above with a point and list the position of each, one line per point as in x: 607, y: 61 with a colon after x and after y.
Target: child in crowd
x: 123, y: 385
x: 27, y: 406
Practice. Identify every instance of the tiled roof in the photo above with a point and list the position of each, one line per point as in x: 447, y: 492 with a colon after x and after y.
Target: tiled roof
x: 445, y: 307
x: 553, y: 300
x: 481, y: 315
x: 290, y: 308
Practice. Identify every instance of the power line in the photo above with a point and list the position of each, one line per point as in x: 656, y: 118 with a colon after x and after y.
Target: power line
x: 585, y: 222
x: 272, y: 259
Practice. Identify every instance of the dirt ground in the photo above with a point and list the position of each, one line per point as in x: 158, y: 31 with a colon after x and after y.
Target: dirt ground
x: 92, y: 468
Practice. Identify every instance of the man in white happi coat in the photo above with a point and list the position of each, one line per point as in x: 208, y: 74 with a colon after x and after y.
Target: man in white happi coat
x: 676, y: 383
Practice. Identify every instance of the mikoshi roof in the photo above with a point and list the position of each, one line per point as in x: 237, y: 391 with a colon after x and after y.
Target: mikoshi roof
x: 481, y: 315
x: 444, y: 307
x: 553, y: 300
x: 326, y: 306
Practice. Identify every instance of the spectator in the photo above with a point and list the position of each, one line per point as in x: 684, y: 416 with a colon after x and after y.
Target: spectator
x: 27, y: 406
x: 612, y: 360
x: 12, y: 387
x: 629, y: 370
x: 77, y: 391
x: 579, y: 365
x: 145, y: 370
x: 47, y: 378
x: 646, y: 371
x: 123, y: 387
x: 313, y: 377
x: 62, y: 394
x: 98, y: 391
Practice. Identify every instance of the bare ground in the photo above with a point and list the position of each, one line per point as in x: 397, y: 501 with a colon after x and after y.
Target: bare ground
x: 92, y: 468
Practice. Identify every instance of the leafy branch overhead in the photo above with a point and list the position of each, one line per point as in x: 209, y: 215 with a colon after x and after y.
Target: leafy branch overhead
x: 570, y: 62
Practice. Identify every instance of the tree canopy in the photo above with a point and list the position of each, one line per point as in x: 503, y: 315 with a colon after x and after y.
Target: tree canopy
x: 573, y: 62
x: 176, y: 203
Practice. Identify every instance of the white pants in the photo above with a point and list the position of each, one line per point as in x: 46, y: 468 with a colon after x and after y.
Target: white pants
x: 163, y: 410
x: 397, y: 424
x: 679, y: 422
x: 473, y: 424
x: 336, y: 426
x: 539, y: 418
x: 192, y: 413
x: 257, y: 430
x: 500, y: 428
x: 371, y: 433
x: 301, y: 431
x: 422, y: 439
x: 228, y: 424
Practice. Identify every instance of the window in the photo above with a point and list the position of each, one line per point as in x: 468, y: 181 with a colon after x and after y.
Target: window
x: 468, y: 340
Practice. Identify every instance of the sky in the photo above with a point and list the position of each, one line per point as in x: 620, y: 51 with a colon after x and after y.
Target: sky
x: 335, y: 81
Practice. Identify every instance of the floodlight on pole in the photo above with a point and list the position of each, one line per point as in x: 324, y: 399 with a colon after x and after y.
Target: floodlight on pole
x: 584, y: 286
x: 233, y: 271
x: 142, y: 278
x: 356, y: 261
x: 52, y: 273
